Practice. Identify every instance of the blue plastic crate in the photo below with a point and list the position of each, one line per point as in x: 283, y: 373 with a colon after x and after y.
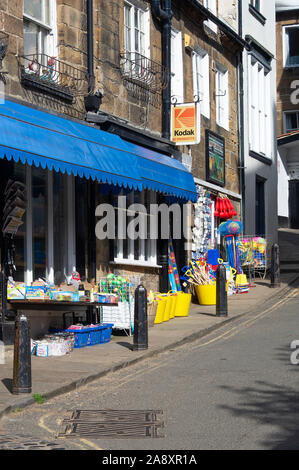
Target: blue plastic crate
x: 106, y: 332
x: 82, y: 337
x: 89, y: 336
x: 95, y: 336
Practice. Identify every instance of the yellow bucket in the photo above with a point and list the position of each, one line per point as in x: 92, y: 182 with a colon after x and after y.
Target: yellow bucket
x: 173, y: 298
x: 168, y: 305
x: 241, y: 279
x: 160, y: 309
x: 207, y: 294
x: 183, y: 302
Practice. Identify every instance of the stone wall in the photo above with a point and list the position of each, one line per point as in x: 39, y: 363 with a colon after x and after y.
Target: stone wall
x: 118, y: 98
x: 188, y: 22
x: 71, y: 48
x: 121, y: 98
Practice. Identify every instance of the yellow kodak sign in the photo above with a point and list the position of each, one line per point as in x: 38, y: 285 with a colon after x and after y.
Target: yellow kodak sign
x: 185, y: 124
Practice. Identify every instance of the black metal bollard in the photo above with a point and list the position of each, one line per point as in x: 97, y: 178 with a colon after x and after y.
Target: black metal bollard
x: 275, y: 266
x: 22, y: 382
x: 221, y: 293
x: 140, y: 320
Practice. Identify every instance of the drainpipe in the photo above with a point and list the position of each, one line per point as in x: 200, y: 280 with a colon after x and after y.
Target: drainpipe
x: 241, y: 118
x: 92, y: 103
x: 90, y: 44
x: 164, y: 16
x: 93, y: 100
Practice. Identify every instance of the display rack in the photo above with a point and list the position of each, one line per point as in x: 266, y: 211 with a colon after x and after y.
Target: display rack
x: 122, y: 315
x: 254, y: 255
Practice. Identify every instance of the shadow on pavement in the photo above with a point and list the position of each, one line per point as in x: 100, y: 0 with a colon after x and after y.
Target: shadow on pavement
x: 271, y: 405
x: 125, y: 345
x: 8, y: 384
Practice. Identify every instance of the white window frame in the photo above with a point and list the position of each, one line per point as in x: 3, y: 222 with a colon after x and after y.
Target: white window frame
x: 212, y: 6
x: 51, y: 28
x: 152, y: 244
x: 201, y: 80
x: 71, y: 242
x: 222, y: 96
x: 254, y: 4
x: 286, y: 46
x: 177, y: 74
x: 145, y: 11
x: 286, y: 130
x: 259, y: 108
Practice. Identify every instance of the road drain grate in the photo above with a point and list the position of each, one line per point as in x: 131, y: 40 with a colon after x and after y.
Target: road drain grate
x: 130, y: 424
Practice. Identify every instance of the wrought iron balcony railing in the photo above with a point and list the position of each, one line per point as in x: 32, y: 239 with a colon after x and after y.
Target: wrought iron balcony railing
x: 52, y: 76
x: 143, y: 71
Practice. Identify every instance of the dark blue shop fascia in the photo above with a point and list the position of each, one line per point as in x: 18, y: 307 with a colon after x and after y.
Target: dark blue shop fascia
x: 42, y: 139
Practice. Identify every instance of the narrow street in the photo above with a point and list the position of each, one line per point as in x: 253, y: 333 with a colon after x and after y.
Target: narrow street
x: 233, y: 389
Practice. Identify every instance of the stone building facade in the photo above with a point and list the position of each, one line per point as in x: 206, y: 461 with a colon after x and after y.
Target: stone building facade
x: 137, y: 106
x: 223, y: 51
x: 125, y: 102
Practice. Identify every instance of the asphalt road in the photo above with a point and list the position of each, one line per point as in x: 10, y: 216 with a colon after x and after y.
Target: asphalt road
x: 234, y: 389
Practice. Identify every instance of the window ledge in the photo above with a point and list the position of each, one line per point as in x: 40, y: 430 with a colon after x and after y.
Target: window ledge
x: 257, y: 14
x: 291, y: 66
x: 127, y: 262
x: 260, y: 157
x: 223, y: 126
x: 211, y: 26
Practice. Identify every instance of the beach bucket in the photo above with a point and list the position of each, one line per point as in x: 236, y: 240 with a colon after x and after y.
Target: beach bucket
x: 173, y: 301
x: 241, y: 279
x: 160, y: 309
x: 168, y: 306
x: 207, y: 294
x: 182, y: 304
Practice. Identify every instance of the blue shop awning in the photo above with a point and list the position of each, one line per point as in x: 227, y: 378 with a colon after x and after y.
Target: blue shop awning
x: 165, y: 174
x: 42, y: 139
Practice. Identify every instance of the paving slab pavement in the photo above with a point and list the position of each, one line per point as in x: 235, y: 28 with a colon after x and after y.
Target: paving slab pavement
x: 57, y: 375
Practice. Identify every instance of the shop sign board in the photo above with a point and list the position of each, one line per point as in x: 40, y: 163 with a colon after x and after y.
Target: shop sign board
x: 185, y: 124
x: 215, y: 158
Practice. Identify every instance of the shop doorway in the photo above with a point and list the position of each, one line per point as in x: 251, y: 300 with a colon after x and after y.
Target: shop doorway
x: 294, y: 203
x: 260, y: 226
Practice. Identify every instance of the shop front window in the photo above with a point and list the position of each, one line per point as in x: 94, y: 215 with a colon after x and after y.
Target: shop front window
x: 45, y: 242
x: 39, y: 223
x: 142, y: 249
x: 60, y: 237
x: 19, y: 174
